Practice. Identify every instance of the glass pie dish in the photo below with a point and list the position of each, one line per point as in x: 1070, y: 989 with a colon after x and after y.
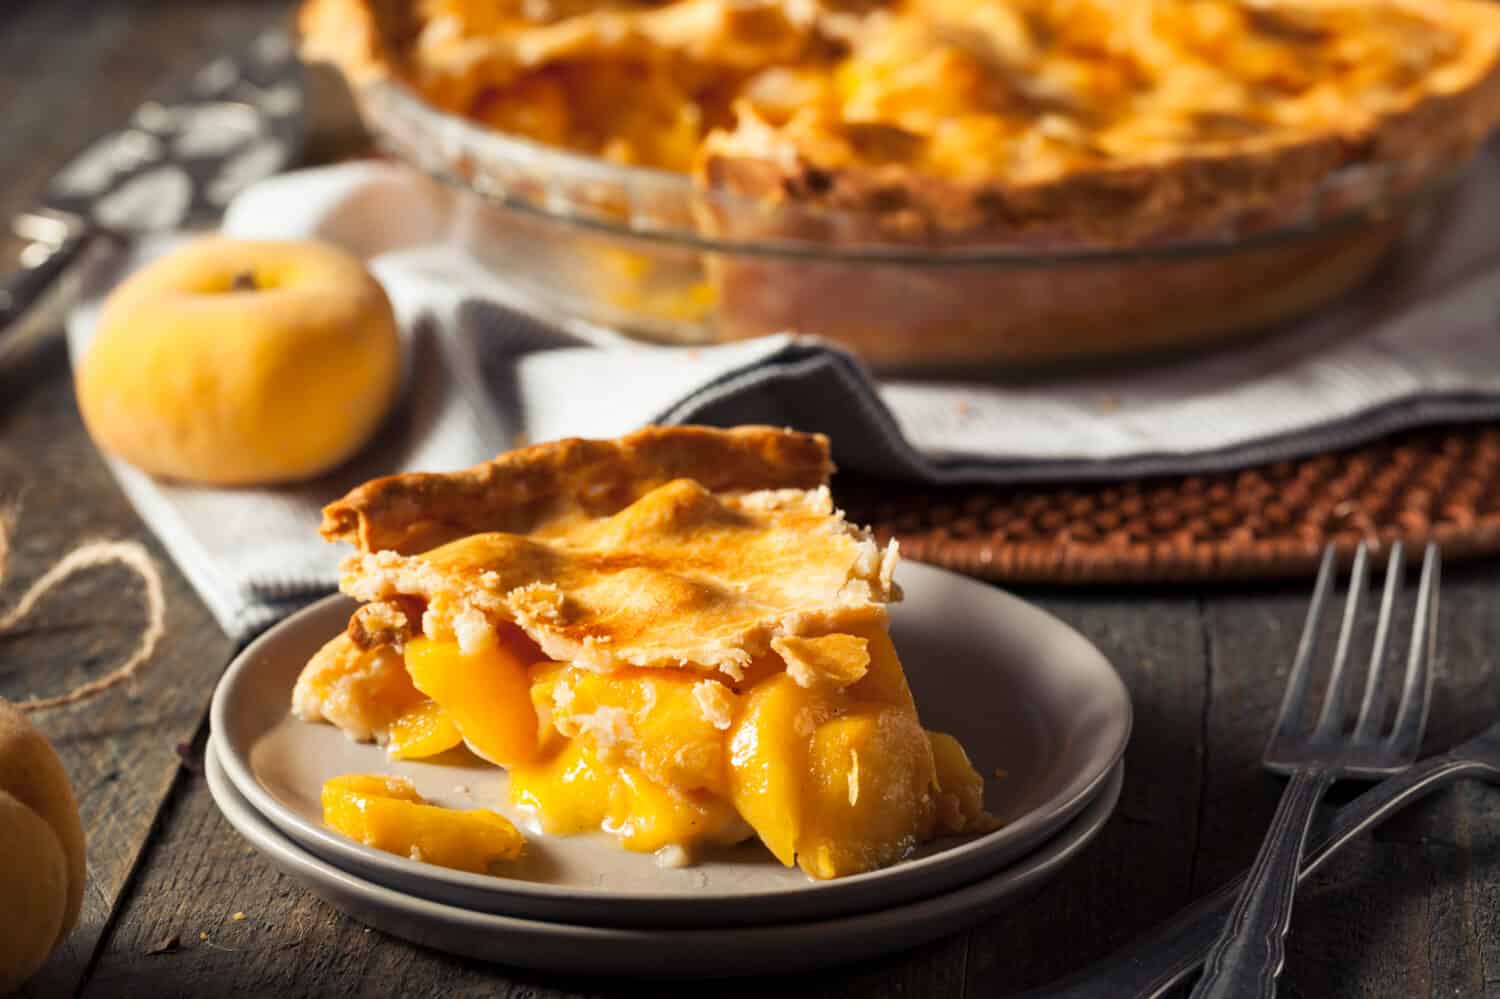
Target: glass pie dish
x: 650, y: 253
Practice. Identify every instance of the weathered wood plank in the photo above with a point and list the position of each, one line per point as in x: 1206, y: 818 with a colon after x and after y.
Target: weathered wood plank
x: 120, y: 748
x: 68, y: 71
x: 1139, y: 870
x: 1251, y: 639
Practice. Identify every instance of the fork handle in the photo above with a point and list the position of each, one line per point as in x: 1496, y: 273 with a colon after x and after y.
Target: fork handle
x: 1247, y: 957
x: 1150, y: 966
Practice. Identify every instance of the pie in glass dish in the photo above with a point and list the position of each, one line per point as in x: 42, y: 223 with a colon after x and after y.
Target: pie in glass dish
x: 936, y: 182
x: 673, y: 637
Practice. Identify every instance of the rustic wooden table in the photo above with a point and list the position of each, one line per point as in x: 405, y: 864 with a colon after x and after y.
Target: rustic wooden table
x: 1412, y: 911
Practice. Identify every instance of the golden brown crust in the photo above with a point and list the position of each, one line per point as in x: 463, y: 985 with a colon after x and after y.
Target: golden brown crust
x: 385, y: 622
x: 518, y: 490
x: 1274, y: 177
x: 681, y: 577
x: 1270, y: 172
x: 364, y: 38
x: 940, y: 317
x: 1379, y: 128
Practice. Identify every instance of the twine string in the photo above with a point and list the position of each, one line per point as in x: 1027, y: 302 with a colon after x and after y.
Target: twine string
x: 92, y: 554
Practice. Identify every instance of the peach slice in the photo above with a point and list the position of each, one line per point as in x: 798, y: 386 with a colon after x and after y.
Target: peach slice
x: 647, y: 817
x: 574, y: 792
x: 388, y: 814
x: 568, y: 792
x: 884, y: 681
x: 868, y: 797
x: 768, y: 758
x: 960, y: 788
x: 487, y: 694
x: 371, y: 785
x: 423, y: 731
x: 652, y: 719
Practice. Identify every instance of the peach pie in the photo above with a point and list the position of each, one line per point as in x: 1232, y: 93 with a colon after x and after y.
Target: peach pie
x: 870, y: 171
x: 1115, y: 118
x: 673, y: 637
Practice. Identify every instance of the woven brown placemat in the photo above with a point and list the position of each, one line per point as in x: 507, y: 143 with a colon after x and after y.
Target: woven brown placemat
x: 1269, y: 521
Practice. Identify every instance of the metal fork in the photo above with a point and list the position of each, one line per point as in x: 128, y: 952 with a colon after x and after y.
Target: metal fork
x: 1154, y: 964
x: 1247, y: 958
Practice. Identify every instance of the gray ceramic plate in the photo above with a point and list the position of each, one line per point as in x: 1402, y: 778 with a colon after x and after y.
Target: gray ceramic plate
x: 660, y: 953
x: 1026, y: 695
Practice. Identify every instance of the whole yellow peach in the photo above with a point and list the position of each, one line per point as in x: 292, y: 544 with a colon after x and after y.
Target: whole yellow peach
x: 42, y: 860
x: 241, y: 362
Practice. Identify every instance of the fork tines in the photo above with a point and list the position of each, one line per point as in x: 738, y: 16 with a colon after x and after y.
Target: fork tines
x: 1291, y: 739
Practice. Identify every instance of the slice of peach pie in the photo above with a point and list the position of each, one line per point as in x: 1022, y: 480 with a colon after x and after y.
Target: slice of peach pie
x: 673, y: 637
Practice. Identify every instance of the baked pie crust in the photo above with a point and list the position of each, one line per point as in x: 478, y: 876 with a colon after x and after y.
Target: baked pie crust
x: 673, y: 636
x: 975, y: 121
x: 1005, y: 129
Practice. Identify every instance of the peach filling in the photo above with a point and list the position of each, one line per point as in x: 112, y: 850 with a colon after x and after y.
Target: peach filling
x: 422, y: 731
x: 388, y: 814
x: 486, y: 693
x: 818, y: 752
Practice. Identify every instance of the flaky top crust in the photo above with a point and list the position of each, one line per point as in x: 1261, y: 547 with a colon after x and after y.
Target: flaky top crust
x: 1268, y: 177
x: 670, y: 547
x: 562, y: 481
x: 680, y: 578
x: 1275, y: 179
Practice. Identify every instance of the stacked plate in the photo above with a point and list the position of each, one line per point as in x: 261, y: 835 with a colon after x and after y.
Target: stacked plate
x: 1041, y: 712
